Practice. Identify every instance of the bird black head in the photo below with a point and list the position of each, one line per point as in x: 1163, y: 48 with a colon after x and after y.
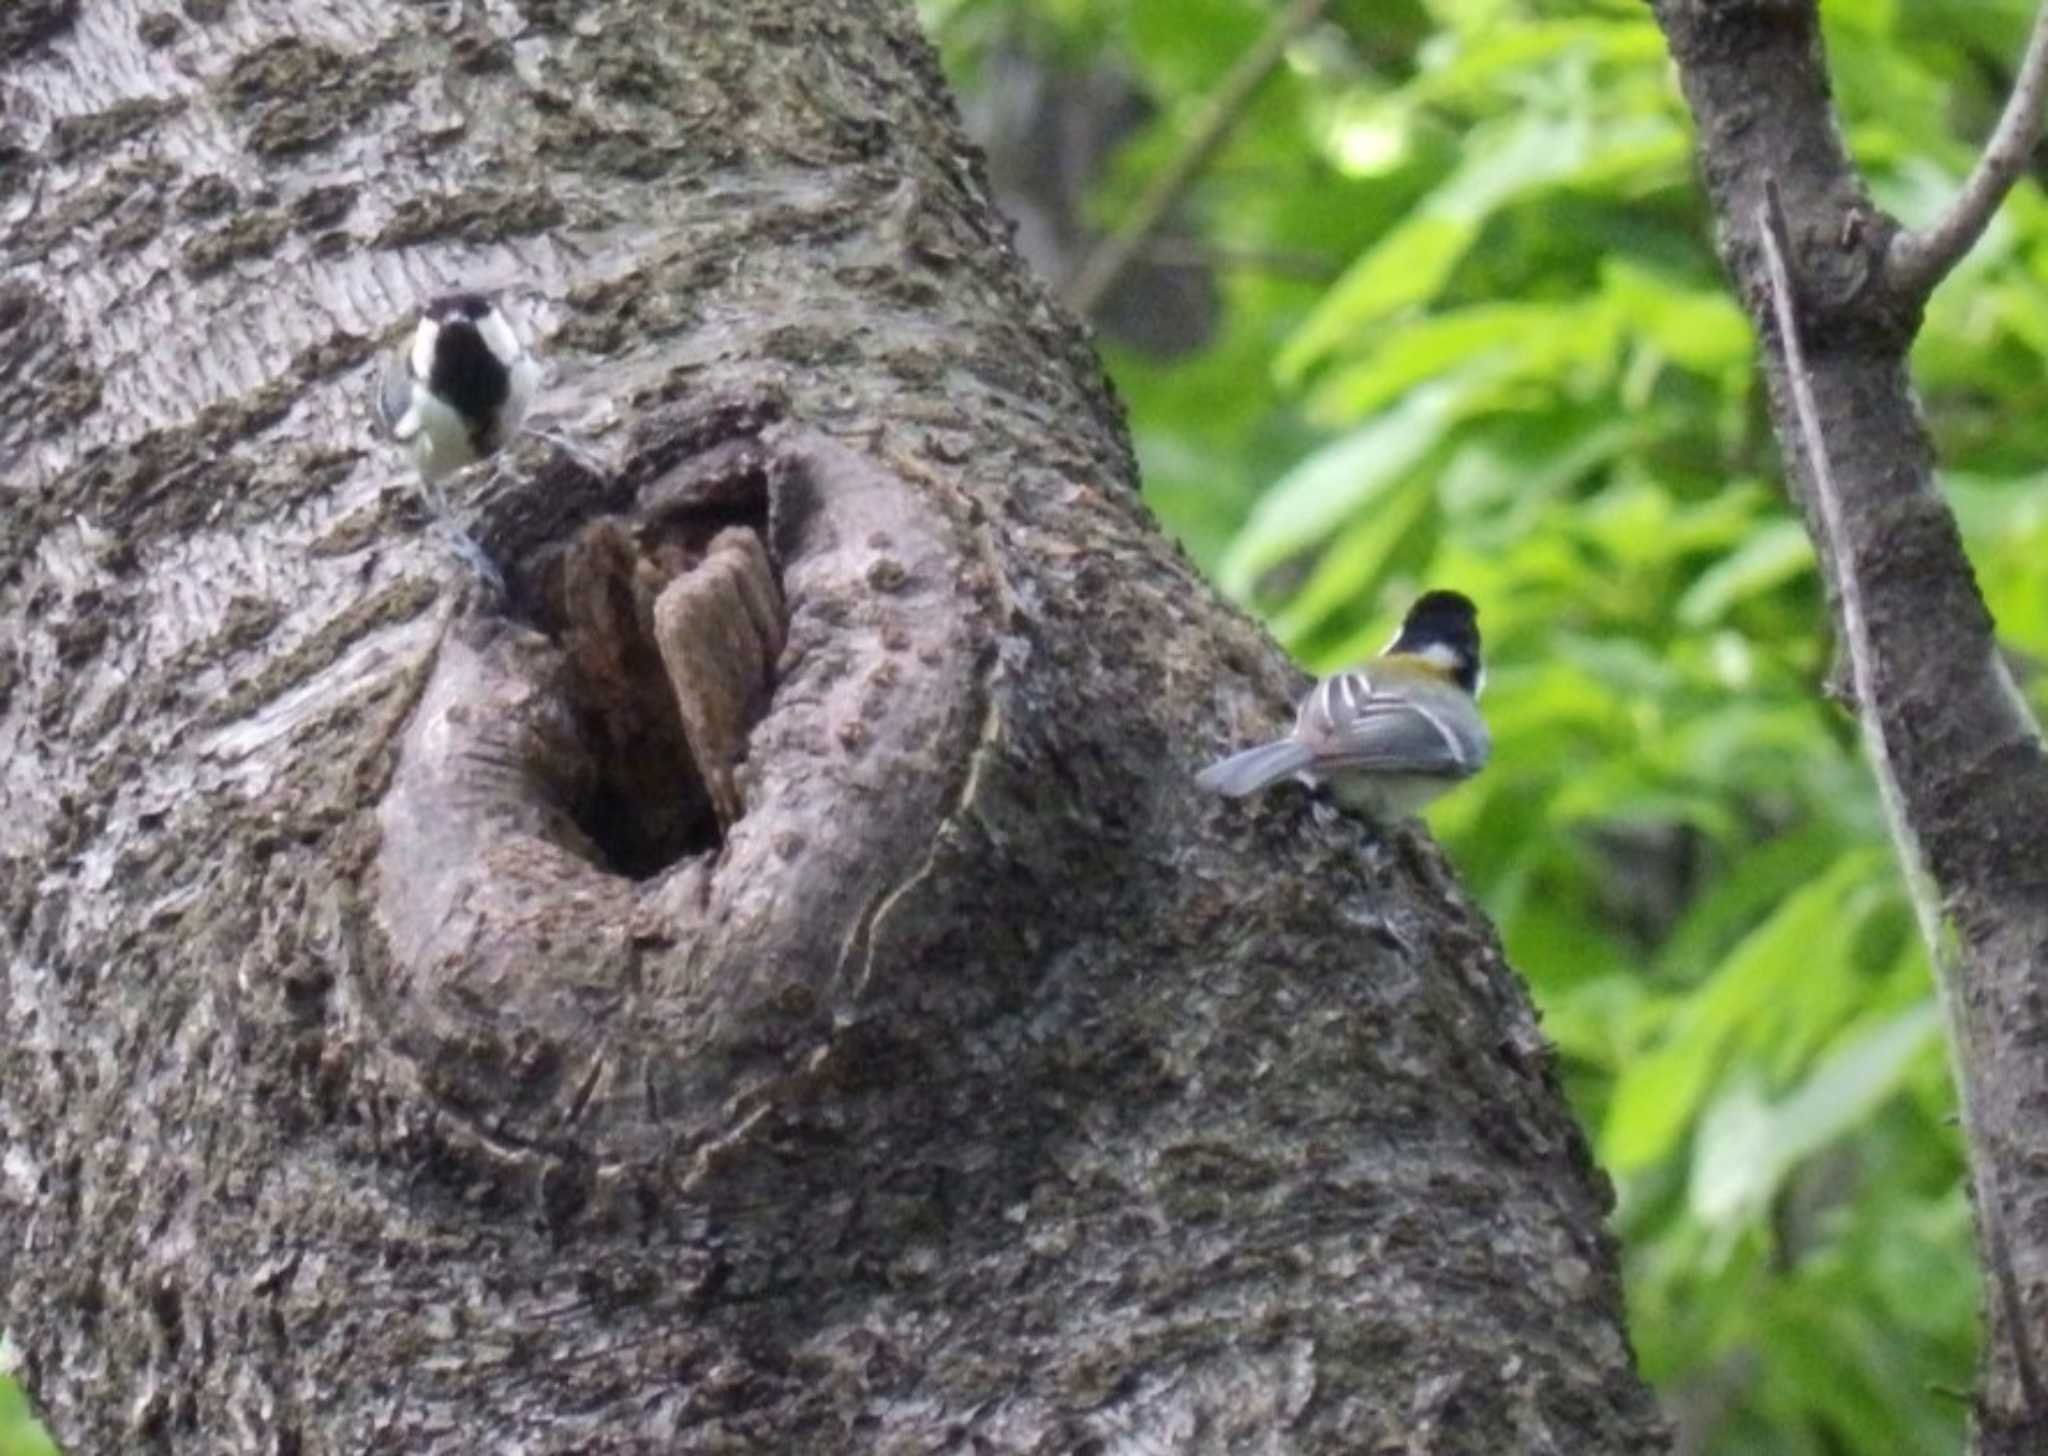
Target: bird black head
x: 470, y: 362
x: 1444, y: 627
x: 470, y: 306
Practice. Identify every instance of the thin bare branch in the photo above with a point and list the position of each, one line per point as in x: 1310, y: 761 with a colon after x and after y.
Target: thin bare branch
x: 1921, y: 258
x: 1110, y: 257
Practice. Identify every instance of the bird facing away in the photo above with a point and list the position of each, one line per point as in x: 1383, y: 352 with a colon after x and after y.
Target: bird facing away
x: 1390, y: 735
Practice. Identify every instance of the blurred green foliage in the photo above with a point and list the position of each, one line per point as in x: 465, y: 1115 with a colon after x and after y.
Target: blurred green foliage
x: 19, y: 1433
x: 1475, y: 334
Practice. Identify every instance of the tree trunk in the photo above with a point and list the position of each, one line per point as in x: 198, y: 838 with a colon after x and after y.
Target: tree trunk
x: 421, y: 1033
x: 1957, y: 755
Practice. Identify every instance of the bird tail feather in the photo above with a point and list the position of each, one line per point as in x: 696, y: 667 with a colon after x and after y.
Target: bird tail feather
x: 1255, y: 768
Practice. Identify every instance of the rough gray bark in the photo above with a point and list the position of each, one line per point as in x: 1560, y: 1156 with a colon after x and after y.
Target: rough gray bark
x: 982, y: 1087
x: 1955, y: 749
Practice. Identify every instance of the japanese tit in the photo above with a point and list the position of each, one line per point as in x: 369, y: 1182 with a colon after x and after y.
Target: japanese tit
x: 462, y: 387
x: 1391, y: 735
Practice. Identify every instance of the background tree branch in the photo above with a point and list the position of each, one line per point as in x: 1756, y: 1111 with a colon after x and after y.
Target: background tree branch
x: 1921, y: 258
x: 1100, y: 269
x: 1952, y: 745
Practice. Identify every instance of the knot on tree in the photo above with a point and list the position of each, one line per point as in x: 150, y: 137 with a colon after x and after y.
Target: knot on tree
x: 643, y: 830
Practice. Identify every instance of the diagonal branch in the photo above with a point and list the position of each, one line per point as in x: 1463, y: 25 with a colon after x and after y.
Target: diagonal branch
x: 1921, y: 258
x: 1106, y: 263
x: 1957, y: 759
x: 1993, y: 1202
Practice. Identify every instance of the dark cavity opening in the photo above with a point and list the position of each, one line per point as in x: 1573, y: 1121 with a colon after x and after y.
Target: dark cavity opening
x: 609, y: 599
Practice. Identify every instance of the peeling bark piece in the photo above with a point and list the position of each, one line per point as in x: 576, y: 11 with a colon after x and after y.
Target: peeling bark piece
x: 719, y: 630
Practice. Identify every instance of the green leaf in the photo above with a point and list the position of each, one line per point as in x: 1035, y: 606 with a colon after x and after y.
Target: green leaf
x: 1347, y: 476
x: 20, y: 1433
x: 1747, y: 1147
x: 1865, y: 1068
x: 1409, y: 265
x: 1429, y: 348
x: 1771, y: 556
x: 1658, y: 1096
x: 1359, y: 558
x: 1493, y: 55
x: 1732, y: 1166
x: 1700, y: 328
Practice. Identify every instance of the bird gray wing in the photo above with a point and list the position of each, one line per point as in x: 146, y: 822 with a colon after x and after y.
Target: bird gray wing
x: 1351, y: 727
x: 394, y: 397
